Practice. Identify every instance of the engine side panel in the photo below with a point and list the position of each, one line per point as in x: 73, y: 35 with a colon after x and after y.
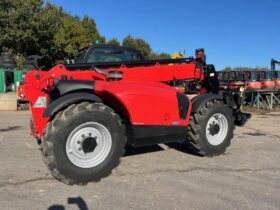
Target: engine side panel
x: 148, y: 103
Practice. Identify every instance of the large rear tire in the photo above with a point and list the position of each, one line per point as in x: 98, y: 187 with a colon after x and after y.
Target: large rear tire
x: 211, y: 129
x: 83, y: 143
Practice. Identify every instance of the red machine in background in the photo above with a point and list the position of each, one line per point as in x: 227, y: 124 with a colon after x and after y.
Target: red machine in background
x: 276, y: 79
x: 270, y: 79
x: 267, y: 82
x: 237, y: 79
x: 252, y: 80
x: 222, y: 82
x: 231, y: 79
x: 260, y: 87
x: 275, y: 74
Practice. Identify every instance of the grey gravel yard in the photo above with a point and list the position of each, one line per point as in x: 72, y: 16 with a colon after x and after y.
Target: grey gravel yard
x: 157, y: 177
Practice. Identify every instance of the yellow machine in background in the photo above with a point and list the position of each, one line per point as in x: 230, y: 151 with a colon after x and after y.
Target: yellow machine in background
x: 177, y: 55
x: 180, y: 85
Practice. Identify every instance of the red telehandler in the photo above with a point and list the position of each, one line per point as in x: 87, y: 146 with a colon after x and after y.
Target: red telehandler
x: 83, y: 115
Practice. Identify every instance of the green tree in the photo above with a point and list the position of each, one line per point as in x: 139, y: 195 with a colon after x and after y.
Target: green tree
x: 129, y: 42
x: 114, y: 42
x: 91, y: 30
x: 70, y: 37
x: 19, y: 23
x: 143, y: 47
x: 159, y: 56
x: 139, y: 44
x: 51, y: 16
x: 28, y: 27
x: 228, y: 68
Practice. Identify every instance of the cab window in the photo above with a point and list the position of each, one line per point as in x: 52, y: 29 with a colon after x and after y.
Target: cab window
x: 111, y: 55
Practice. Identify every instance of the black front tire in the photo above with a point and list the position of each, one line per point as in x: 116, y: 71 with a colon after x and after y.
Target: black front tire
x: 197, y: 129
x: 60, y: 127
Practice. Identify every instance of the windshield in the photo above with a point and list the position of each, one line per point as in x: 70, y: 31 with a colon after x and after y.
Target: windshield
x: 111, y: 55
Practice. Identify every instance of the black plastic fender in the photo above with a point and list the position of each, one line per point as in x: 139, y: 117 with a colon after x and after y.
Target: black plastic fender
x: 199, y: 101
x: 66, y: 86
x: 71, y: 98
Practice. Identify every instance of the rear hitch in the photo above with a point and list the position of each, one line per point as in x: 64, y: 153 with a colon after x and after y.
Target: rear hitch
x: 241, y: 118
x: 235, y: 99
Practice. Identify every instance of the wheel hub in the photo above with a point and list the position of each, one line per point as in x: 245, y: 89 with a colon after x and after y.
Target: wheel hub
x: 217, y: 129
x: 89, y: 144
x: 214, y: 128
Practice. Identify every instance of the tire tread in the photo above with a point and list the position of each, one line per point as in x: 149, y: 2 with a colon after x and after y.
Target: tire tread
x: 55, y: 123
x: 194, y: 131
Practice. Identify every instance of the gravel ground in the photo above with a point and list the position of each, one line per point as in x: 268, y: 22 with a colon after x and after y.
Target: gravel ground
x: 156, y: 177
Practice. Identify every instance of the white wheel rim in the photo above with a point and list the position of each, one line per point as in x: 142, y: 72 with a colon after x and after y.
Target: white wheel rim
x: 216, y: 135
x: 88, y: 145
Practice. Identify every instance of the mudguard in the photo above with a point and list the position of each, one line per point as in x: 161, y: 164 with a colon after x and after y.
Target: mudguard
x: 68, y: 99
x: 199, y: 101
x: 67, y: 86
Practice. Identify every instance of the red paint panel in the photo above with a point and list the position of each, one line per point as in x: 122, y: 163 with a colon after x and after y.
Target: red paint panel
x: 147, y: 103
x: 253, y: 85
x: 141, y: 93
x: 268, y: 84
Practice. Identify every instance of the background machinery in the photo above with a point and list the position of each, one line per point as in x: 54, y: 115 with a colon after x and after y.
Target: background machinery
x: 275, y: 73
x: 262, y: 87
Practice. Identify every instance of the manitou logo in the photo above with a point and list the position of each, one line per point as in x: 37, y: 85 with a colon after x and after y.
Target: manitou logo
x: 41, y: 102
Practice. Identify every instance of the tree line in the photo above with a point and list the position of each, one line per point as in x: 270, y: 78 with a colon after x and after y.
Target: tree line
x: 30, y: 27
